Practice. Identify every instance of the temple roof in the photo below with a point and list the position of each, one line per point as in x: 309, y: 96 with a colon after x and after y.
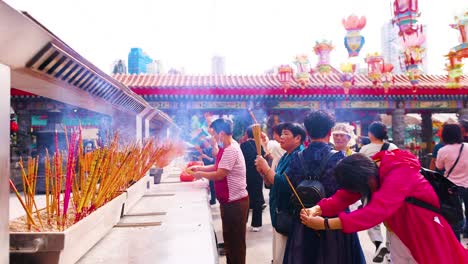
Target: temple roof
x: 330, y: 85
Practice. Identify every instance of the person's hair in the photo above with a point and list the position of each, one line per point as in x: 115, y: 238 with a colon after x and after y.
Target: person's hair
x: 296, y: 129
x: 319, y: 123
x: 365, y: 141
x: 452, y: 134
x: 249, y: 131
x: 222, y: 124
x: 464, y: 124
x: 277, y: 129
x: 353, y: 172
x: 379, y: 130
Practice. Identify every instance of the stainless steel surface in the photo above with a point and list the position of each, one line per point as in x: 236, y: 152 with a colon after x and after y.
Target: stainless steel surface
x: 142, y: 224
x: 146, y: 214
x: 35, y: 245
x: 4, y: 159
x: 185, y: 236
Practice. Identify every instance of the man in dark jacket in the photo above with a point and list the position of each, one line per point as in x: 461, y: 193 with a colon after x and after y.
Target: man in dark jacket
x: 304, y: 244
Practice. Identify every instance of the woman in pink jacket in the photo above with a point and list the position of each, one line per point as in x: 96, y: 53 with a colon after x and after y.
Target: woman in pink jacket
x: 426, y: 234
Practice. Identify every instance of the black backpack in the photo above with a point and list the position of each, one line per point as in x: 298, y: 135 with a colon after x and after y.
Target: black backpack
x: 310, y: 190
x: 448, y: 193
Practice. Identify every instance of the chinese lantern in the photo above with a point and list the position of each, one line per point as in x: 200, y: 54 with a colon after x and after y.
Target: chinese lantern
x: 302, y: 74
x: 323, y: 50
x: 457, y: 53
x: 406, y: 14
x: 13, y: 126
x: 414, y: 53
x: 375, y: 64
x: 347, y: 76
x: 353, y: 40
x: 285, y: 73
x: 387, y: 77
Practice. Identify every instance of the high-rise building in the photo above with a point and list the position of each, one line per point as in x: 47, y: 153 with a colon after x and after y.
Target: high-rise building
x: 119, y: 66
x: 218, y: 65
x: 153, y: 68
x: 137, y: 61
x: 392, y: 49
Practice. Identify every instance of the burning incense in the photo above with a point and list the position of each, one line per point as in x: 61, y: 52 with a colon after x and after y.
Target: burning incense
x: 253, y: 116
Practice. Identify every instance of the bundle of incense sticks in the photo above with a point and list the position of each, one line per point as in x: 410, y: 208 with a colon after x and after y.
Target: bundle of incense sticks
x: 257, y: 133
x: 77, y: 183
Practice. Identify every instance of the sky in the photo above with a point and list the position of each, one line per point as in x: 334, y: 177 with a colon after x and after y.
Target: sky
x: 253, y: 35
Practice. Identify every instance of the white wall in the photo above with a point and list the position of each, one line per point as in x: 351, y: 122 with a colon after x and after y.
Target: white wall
x: 4, y: 161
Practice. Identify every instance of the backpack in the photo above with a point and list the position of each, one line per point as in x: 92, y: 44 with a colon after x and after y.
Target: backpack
x: 448, y: 194
x: 310, y: 190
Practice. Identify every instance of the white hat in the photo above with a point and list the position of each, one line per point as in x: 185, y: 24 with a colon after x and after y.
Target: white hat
x: 343, y: 128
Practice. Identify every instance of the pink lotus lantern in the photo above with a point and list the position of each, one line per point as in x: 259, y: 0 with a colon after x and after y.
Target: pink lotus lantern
x: 375, y: 66
x: 353, y: 40
x: 303, y: 70
x: 347, y: 76
x: 323, y: 49
x: 406, y: 14
x: 285, y: 73
x: 413, y: 48
x: 387, y: 77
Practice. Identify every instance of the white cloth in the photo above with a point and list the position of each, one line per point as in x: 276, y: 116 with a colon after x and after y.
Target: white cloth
x: 371, y: 149
x: 279, y: 247
x: 399, y: 253
x: 375, y: 234
x: 276, y: 152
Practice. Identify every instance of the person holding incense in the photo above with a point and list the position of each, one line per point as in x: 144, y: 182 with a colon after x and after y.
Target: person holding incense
x: 305, y: 245
x: 254, y: 179
x: 229, y: 175
x: 387, y: 182
x: 291, y: 139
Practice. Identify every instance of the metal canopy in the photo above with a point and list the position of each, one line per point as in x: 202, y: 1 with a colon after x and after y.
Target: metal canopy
x: 43, y: 65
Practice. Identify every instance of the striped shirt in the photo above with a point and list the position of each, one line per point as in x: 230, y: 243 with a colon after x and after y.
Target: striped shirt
x: 233, y: 186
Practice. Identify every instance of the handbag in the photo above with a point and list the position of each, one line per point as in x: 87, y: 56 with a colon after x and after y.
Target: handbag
x: 447, y: 192
x: 310, y: 190
x: 283, y: 222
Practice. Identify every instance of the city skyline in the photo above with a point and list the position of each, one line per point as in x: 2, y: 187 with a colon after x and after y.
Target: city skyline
x: 253, y: 36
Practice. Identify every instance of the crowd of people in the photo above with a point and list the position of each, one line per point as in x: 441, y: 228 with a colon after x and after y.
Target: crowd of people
x: 357, y: 189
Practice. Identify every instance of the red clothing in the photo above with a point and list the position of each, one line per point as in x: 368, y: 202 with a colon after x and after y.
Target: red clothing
x: 426, y: 234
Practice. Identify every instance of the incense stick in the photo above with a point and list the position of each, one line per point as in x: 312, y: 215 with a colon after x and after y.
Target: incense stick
x: 294, y: 190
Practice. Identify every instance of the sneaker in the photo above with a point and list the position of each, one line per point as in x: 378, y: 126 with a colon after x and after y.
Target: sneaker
x: 380, y: 253
x: 255, y: 229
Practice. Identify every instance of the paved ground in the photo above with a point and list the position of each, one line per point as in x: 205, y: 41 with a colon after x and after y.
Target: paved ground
x: 259, y: 245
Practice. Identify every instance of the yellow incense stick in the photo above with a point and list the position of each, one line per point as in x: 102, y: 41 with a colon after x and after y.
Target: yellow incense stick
x: 294, y: 190
x: 28, y: 213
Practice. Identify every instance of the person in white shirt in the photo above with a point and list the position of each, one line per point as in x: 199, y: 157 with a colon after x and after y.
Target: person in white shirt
x: 377, y: 134
x: 274, y: 147
x: 453, y: 158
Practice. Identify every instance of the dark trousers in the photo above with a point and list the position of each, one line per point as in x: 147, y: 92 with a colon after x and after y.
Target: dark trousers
x: 461, y: 227
x: 257, y: 216
x: 234, y: 219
